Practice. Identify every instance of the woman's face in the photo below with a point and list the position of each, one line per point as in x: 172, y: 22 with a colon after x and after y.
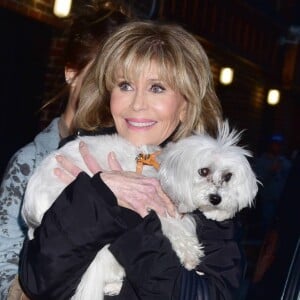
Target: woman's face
x: 146, y: 110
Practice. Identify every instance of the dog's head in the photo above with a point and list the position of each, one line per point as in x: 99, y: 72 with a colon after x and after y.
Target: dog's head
x: 212, y: 175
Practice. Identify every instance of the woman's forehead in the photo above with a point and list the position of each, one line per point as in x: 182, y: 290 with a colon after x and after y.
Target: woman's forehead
x: 148, y: 69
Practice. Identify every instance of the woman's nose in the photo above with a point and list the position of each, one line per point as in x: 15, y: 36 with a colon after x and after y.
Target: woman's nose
x: 139, y: 101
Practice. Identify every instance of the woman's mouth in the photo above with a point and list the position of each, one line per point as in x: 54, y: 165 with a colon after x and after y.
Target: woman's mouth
x: 140, y: 123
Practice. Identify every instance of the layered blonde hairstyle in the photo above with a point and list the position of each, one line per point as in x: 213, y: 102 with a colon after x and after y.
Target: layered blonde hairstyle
x: 183, y: 65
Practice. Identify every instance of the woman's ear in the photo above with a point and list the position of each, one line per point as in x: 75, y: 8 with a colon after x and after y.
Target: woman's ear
x: 70, y: 75
x: 183, y: 112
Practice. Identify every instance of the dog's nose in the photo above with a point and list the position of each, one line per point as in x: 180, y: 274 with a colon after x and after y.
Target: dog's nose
x: 214, y: 199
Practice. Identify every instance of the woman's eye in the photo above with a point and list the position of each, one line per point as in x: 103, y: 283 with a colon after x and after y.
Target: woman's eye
x: 203, y: 172
x: 156, y: 88
x: 125, y: 86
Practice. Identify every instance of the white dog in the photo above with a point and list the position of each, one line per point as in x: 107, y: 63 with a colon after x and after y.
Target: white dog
x: 198, y: 172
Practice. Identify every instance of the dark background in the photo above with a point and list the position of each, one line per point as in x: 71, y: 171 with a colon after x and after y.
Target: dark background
x: 23, y: 58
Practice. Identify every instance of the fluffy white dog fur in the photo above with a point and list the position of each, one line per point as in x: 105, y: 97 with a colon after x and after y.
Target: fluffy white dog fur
x: 198, y: 172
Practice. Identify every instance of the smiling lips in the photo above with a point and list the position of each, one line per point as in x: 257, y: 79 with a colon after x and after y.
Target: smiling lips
x: 140, y: 123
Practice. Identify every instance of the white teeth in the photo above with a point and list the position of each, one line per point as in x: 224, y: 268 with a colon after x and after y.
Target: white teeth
x: 140, y: 124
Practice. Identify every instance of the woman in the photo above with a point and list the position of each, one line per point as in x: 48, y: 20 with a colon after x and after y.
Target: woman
x: 151, y: 83
x: 84, y: 39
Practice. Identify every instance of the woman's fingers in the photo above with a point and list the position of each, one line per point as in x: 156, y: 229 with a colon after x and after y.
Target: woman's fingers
x: 171, y: 208
x: 92, y: 163
x: 159, y: 201
x: 67, y: 165
x: 89, y: 160
x: 68, y: 171
x: 113, y: 162
x: 63, y: 176
x: 137, y: 192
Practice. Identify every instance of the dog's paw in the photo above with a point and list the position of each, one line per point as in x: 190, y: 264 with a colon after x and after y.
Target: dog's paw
x: 112, y: 288
x: 182, y: 235
x: 191, y: 257
x: 189, y: 252
x: 114, y: 274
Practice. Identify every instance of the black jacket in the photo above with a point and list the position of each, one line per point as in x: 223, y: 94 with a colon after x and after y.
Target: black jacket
x: 85, y: 217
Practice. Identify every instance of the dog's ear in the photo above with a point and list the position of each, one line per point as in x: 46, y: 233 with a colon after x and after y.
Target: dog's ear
x: 247, y: 186
x: 174, y: 175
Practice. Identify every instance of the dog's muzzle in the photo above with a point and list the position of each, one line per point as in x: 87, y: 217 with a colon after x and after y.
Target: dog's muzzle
x: 215, y: 199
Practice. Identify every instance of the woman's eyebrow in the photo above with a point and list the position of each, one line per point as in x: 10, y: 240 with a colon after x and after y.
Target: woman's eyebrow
x: 155, y: 79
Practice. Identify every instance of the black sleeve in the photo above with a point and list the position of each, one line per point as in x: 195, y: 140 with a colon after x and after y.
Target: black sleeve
x: 79, y: 223
x: 194, y: 286
x: 83, y: 219
x: 152, y: 267
x: 154, y: 272
x: 224, y: 262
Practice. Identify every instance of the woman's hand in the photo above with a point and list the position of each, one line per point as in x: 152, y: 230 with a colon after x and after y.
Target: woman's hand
x: 133, y: 191
x: 68, y: 171
x: 139, y: 193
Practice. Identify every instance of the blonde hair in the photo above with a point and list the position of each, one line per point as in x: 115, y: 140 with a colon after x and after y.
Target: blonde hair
x: 182, y: 62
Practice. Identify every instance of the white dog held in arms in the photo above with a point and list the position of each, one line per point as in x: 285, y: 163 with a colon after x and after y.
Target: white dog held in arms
x: 198, y: 172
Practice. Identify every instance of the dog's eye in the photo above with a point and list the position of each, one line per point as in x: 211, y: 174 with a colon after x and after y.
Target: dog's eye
x: 227, y: 177
x: 203, y: 172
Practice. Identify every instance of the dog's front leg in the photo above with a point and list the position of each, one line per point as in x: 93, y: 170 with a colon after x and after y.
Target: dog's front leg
x: 182, y: 234
x: 114, y: 274
x: 103, y: 276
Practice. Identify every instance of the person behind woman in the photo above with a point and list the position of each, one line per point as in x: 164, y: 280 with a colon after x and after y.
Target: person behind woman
x: 151, y: 83
x: 84, y: 39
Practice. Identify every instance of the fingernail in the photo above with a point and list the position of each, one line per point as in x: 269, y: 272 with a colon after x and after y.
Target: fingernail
x: 56, y: 171
x: 112, y: 155
x: 58, y: 158
x: 81, y: 144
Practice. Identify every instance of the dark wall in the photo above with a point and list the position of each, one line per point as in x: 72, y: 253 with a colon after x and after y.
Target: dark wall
x: 23, y: 59
x: 248, y: 38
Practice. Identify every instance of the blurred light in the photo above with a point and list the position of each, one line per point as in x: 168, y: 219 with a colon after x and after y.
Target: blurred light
x: 273, y: 97
x: 62, y: 8
x: 226, y: 76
